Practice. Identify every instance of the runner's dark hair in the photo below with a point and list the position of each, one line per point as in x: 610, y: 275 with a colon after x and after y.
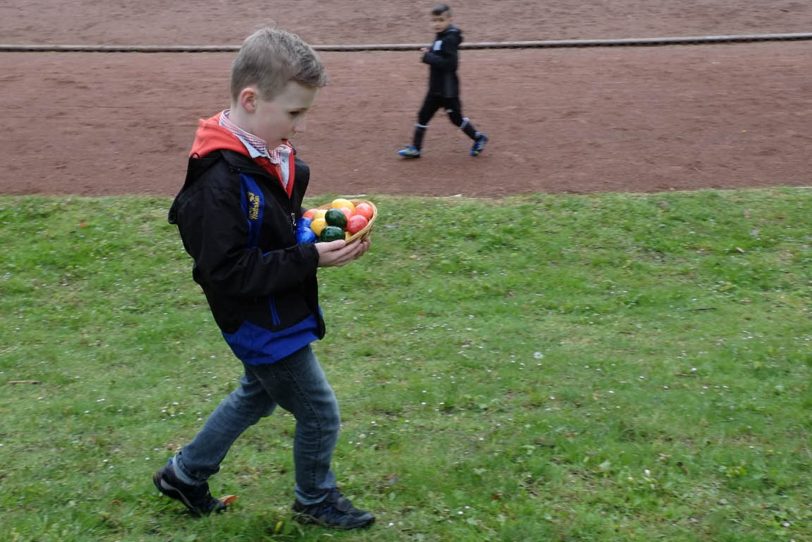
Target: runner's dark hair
x: 439, y: 9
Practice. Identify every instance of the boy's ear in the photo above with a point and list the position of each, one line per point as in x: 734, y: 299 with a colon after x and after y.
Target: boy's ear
x: 247, y: 99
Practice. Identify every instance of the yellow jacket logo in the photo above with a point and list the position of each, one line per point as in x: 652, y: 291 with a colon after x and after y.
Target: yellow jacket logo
x: 253, y: 206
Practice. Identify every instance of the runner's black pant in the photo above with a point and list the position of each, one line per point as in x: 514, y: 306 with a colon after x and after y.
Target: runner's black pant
x: 453, y: 108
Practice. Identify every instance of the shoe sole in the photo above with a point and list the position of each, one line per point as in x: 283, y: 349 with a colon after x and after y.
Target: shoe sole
x: 307, y: 519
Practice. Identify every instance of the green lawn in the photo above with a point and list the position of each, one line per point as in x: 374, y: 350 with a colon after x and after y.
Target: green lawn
x: 557, y: 368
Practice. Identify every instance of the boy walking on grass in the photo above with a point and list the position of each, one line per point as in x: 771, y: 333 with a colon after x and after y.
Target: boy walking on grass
x: 444, y: 86
x: 236, y: 216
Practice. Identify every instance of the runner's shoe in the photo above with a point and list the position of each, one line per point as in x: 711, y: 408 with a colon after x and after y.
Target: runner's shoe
x: 196, y: 498
x: 335, y: 512
x: 479, y: 144
x: 409, y: 152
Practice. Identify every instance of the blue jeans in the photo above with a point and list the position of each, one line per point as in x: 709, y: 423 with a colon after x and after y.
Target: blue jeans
x: 298, y: 385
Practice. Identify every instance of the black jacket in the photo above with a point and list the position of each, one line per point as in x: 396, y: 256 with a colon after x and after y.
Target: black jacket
x: 238, y: 224
x: 443, y: 59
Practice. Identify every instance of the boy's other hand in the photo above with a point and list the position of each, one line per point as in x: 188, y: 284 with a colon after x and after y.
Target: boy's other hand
x: 336, y: 253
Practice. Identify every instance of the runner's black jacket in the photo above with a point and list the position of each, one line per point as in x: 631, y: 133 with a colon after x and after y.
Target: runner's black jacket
x: 443, y: 60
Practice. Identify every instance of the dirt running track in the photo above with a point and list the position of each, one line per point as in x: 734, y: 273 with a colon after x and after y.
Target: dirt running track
x: 560, y: 120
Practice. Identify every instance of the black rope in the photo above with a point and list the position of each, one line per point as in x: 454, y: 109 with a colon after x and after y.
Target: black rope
x: 630, y: 42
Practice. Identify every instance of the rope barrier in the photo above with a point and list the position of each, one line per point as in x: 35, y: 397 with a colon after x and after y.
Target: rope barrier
x: 630, y: 42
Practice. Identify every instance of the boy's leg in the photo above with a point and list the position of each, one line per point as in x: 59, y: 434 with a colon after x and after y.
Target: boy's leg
x: 299, y: 385
x: 201, y: 458
x: 453, y: 107
x: 431, y: 104
x: 184, y: 477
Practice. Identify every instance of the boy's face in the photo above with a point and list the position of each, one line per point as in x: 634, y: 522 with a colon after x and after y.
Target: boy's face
x: 283, y: 116
x: 440, y: 22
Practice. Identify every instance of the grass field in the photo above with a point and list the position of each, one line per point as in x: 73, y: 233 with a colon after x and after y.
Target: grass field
x: 558, y: 368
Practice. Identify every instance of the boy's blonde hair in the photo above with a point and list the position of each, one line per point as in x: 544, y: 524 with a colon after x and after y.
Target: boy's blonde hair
x: 270, y: 58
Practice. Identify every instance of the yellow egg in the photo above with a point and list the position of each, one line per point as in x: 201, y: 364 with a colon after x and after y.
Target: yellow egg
x: 318, y: 225
x: 338, y: 203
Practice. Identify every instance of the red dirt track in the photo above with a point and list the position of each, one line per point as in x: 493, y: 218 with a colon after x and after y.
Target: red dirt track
x: 560, y: 120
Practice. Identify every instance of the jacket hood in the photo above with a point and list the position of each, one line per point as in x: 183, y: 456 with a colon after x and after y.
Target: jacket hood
x: 450, y: 31
x: 210, y: 137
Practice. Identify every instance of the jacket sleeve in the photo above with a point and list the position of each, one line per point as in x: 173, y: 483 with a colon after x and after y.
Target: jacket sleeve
x: 446, y: 57
x: 214, y: 230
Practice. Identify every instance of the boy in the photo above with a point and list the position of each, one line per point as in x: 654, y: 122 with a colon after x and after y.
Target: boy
x: 236, y: 215
x: 444, y: 87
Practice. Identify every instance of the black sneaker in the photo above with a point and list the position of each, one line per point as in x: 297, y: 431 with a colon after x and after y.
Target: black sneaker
x: 410, y: 151
x: 479, y: 144
x: 335, y: 512
x: 197, y: 498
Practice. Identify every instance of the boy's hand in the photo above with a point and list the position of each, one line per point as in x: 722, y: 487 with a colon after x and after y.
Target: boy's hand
x: 336, y: 253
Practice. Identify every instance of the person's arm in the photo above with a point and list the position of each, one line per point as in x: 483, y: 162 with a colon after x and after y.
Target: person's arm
x: 215, y: 232
x: 446, y: 57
